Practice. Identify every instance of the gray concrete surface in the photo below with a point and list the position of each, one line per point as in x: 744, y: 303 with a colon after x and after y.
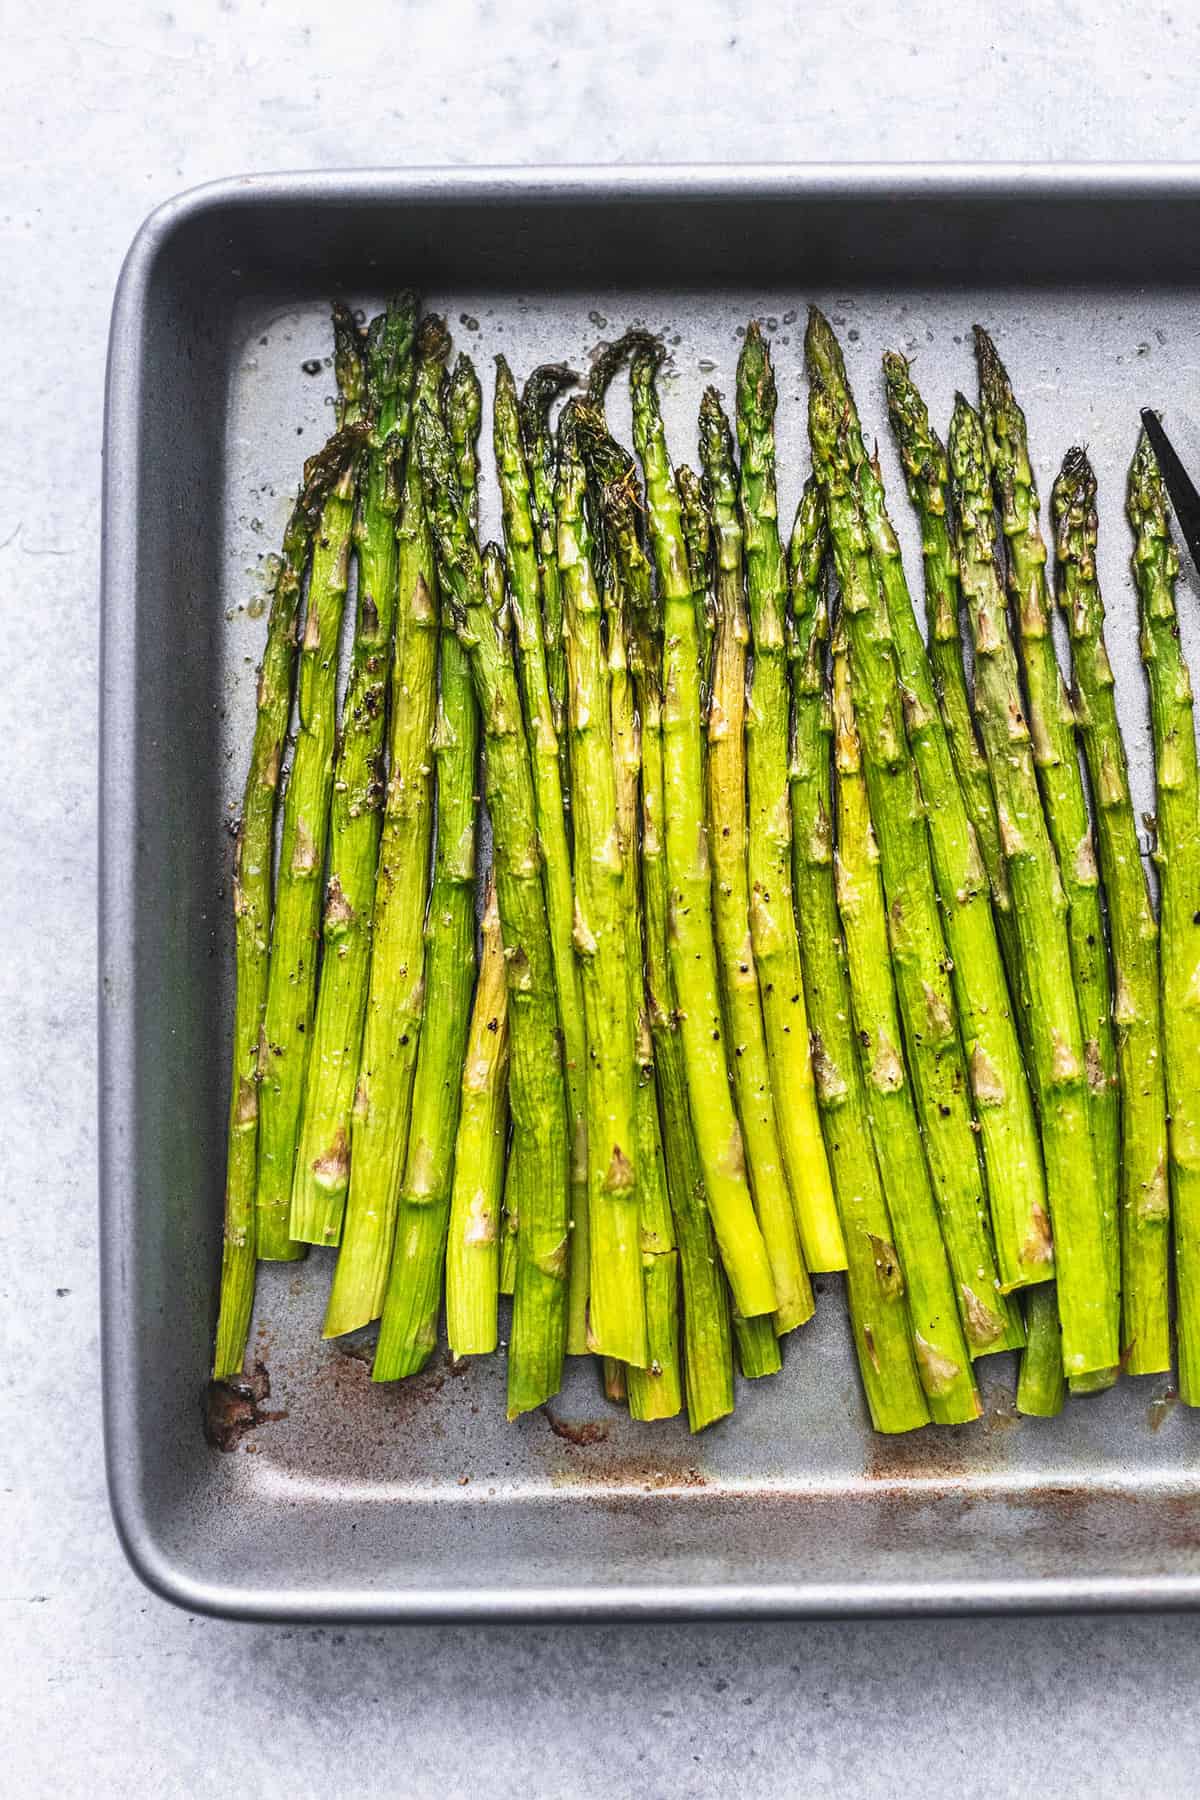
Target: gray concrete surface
x: 103, y: 112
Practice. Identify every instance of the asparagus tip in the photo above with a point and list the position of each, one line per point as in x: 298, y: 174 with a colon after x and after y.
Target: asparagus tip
x: 433, y: 338
x: 609, y: 358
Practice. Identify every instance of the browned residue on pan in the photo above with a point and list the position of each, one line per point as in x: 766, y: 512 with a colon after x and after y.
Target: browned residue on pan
x: 234, y: 1407
x: 586, y: 1431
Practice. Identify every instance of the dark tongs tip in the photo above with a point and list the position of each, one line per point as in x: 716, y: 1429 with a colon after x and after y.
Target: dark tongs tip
x: 1179, y: 484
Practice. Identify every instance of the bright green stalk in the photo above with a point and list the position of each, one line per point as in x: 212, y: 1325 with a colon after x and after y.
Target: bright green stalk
x: 540, y: 392
x: 928, y: 477
x: 474, y: 589
x: 527, y: 588
x: 693, y: 955
x: 408, y: 1333
x: 655, y: 1392
x: 292, y: 975
x: 473, y: 1242
x: 774, y: 1199
x: 1087, y: 1303
x: 512, y: 1210
x: 1177, y: 854
x: 772, y: 912
x: 1056, y: 756
x: 396, y: 989
x: 987, y: 1020
x: 617, y: 1312
x: 322, y: 1173
x: 943, y: 1359
x: 697, y: 536
x: 920, y: 959
x: 708, y: 1367
x: 252, y: 857
x: 879, y: 1314
x: 1041, y: 1384
x: 1133, y: 933
x: 758, y: 1347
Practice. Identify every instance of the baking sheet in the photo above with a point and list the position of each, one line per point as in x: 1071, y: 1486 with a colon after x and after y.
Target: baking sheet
x: 417, y: 1499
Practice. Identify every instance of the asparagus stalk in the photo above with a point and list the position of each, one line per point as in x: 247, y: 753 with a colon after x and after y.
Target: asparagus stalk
x: 292, y: 972
x: 1087, y: 1303
x: 408, y: 1332
x: 697, y: 536
x: 943, y: 1359
x: 928, y: 478
x: 708, y: 1366
x: 758, y: 1350
x: 617, y: 1312
x: 1041, y: 1384
x: 396, y: 988
x: 1133, y: 931
x: 252, y: 858
x: 530, y: 599
x: 322, y: 1173
x: 655, y: 1392
x: 772, y: 916
x: 473, y: 1243
x: 540, y: 392
x: 1056, y: 756
x: 987, y: 1021
x: 1177, y: 855
x: 927, y: 1009
x: 774, y: 1196
x: 879, y: 1315
x: 474, y: 590
x: 693, y: 956
x: 512, y: 1210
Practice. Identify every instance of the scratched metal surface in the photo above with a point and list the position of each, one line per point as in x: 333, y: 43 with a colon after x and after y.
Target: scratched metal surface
x: 418, y: 1499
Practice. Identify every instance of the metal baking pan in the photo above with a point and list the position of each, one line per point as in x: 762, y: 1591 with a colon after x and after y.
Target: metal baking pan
x: 419, y: 1501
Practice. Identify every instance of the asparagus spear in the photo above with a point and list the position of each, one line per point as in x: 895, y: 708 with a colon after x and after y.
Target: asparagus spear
x: 758, y: 1350
x: 693, y: 957
x: 512, y: 1209
x: 1177, y: 855
x: 292, y: 972
x: 943, y: 1359
x: 473, y: 1243
x: 1056, y: 756
x: 474, y: 590
x: 879, y: 1315
x: 928, y: 477
x: 927, y: 1010
x: 697, y: 536
x: 772, y: 917
x: 655, y: 1392
x: 707, y: 1362
x: 408, y: 1332
x: 530, y: 597
x: 396, y: 988
x: 252, y: 857
x: 540, y: 392
x: 1087, y: 1303
x: 775, y: 1198
x: 322, y: 1172
x: 1041, y: 1384
x: 617, y: 1312
x: 987, y: 1021
x: 1133, y: 929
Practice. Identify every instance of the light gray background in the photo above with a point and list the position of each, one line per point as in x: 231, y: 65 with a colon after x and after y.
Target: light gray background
x: 103, y: 113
